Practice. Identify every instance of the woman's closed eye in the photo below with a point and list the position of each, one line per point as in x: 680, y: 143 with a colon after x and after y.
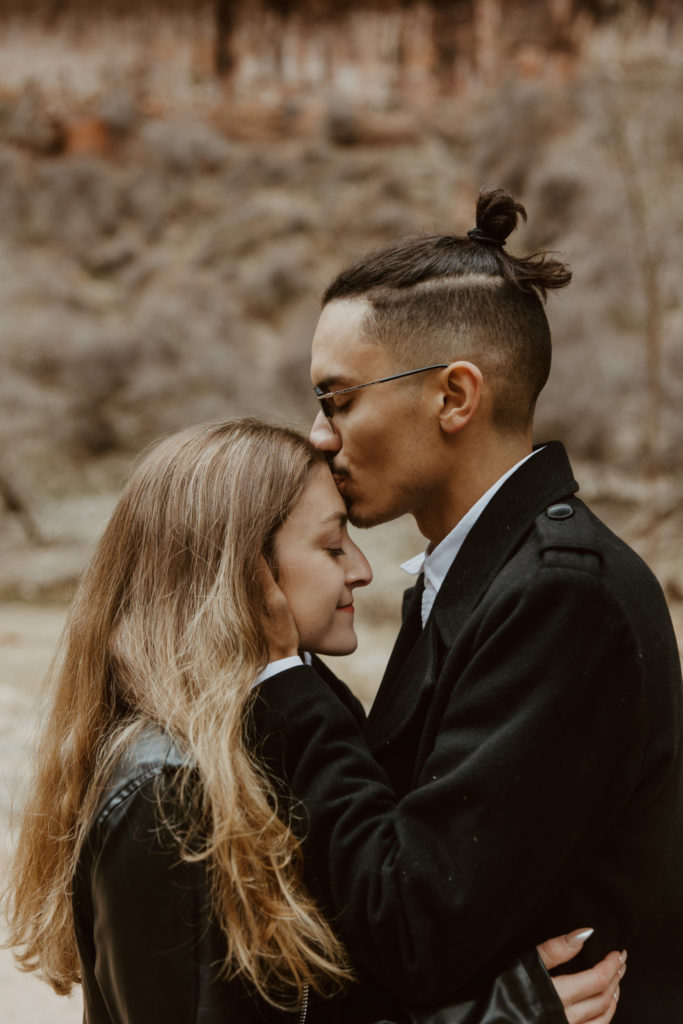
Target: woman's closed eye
x: 336, y: 552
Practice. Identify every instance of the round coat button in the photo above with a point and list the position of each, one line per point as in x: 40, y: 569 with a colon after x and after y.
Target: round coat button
x: 560, y: 511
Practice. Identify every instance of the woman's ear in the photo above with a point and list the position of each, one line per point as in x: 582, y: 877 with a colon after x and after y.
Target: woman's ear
x: 462, y: 385
x: 270, y: 557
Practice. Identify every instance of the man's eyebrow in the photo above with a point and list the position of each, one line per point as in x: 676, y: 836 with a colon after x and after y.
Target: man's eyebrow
x: 333, y: 382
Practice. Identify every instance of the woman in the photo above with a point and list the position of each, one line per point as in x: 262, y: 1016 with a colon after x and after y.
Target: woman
x: 157, y: 865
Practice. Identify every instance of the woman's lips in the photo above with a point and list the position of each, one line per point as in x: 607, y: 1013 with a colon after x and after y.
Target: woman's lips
x: 345, y: 608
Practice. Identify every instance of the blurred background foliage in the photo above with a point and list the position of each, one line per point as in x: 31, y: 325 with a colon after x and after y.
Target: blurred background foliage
x: 178, y: 181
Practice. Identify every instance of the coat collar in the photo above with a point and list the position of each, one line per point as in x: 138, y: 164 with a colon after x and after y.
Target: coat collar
x: 414, y: 663
x: 498, y: 532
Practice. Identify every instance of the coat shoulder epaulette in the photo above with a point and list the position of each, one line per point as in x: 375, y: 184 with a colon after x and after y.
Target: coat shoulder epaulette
x: 567, y: 537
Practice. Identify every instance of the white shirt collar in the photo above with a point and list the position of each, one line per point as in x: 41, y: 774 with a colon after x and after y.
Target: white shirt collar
x: 437, y: 562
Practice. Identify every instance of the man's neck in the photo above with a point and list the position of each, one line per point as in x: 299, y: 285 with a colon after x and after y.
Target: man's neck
x: 472, y: 471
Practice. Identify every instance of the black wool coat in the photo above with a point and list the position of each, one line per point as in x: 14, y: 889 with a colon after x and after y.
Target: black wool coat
x: 519, y: 774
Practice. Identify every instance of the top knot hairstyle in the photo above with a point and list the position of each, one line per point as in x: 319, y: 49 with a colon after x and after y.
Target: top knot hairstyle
x: 440, y: 298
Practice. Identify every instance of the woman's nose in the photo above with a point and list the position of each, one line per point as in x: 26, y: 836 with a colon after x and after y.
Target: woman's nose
x: 359, y: 573
x: 323, y: 435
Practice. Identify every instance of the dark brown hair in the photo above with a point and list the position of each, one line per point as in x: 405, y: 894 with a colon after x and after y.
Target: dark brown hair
x: 437, y: 298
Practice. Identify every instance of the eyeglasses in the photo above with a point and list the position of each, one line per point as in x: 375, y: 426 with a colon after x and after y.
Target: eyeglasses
x: 327, y: 399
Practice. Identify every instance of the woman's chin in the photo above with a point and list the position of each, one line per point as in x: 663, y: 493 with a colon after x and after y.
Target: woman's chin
x: 337, y: 647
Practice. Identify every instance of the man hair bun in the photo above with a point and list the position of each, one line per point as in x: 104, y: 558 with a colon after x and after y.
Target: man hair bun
x: 498, y: 214
x: 411, y: 261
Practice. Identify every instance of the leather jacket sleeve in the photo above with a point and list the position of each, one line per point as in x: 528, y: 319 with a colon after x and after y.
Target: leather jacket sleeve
x: 521, y: 993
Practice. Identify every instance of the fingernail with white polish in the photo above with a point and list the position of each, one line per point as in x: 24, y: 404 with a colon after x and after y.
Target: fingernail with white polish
x: 578, y: 938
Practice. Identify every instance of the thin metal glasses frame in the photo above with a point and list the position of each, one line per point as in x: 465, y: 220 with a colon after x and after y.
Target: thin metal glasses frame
x: 327, y: 405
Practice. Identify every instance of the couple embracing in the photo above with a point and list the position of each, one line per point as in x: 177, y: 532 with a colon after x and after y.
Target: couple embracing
x: 215, y: 830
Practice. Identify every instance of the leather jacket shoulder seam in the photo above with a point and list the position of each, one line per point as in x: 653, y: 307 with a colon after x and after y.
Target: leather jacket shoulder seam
x: 127, y: 790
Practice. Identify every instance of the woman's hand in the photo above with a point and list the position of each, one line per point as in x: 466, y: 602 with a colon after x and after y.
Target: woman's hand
x: 281, y: 632
x: 589, y: 997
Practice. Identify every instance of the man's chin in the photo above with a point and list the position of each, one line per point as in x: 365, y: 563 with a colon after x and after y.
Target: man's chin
x: 365, y: 518
x: 361, y: 513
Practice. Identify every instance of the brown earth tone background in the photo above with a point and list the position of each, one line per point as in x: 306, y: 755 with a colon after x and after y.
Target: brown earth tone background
x: 177, y: 185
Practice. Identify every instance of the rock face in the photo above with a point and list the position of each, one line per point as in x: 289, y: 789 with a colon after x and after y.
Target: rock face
x: 164, y: 239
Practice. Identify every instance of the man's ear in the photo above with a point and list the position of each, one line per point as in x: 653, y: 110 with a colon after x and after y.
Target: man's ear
x: 462, y: 385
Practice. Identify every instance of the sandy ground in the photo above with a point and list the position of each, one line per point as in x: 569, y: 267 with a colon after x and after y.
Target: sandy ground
x: 25, y: 1000
x: 27, y: 639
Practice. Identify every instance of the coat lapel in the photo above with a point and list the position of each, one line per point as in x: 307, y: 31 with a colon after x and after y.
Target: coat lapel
x: 409, y: 633
x: 417, y: 655
x: 406, y: 684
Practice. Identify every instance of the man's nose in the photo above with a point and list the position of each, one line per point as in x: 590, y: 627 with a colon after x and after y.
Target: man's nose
x: 323, y: 435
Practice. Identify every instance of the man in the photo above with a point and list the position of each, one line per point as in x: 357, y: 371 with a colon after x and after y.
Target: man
x: 519, y: 772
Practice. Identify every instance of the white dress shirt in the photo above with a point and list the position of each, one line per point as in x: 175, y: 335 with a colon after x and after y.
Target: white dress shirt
x: 273, y: 667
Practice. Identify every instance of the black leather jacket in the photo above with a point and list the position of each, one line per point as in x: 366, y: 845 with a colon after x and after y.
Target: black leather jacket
x: 150, y: 951
x: 148, y: 947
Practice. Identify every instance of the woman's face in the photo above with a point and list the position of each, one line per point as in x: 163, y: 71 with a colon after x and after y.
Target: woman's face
x: 319, y: 566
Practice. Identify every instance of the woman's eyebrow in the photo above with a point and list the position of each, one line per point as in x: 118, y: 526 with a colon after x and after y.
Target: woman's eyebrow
x: 336, y: 517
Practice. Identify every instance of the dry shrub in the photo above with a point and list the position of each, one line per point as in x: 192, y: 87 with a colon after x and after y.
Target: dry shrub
x: 183, y: 146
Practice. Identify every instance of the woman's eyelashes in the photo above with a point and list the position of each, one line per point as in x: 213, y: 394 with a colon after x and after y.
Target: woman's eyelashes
x: 336, y: 552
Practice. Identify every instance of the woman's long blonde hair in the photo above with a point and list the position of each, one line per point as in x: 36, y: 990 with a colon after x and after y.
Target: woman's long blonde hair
x: 167, y: 627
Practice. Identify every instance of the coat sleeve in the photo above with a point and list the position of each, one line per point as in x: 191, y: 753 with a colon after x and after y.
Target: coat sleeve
x: 536, y: 753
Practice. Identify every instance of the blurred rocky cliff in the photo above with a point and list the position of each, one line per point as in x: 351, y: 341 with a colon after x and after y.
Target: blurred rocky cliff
x: 176, y: 189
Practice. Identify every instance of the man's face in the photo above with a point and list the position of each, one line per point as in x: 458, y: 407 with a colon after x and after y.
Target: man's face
x: 380, y: 441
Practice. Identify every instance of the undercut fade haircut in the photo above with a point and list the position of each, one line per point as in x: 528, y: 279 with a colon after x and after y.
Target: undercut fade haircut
x: 441, y: 298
